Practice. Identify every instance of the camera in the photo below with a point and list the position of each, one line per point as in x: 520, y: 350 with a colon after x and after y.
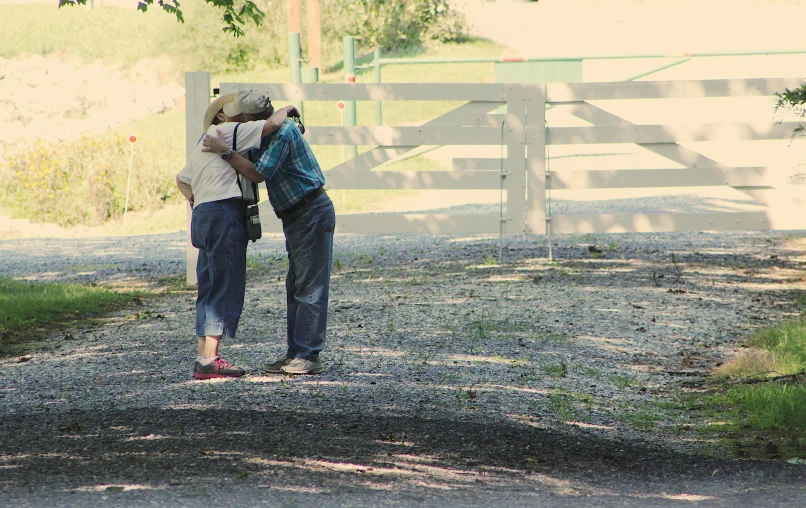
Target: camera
x: 253, y: 230
x: 295, y: 117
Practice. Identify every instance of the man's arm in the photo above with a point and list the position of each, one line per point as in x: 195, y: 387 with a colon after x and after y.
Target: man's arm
x: 217, y: 144
x: 276, y: 120
x: 185, y: 189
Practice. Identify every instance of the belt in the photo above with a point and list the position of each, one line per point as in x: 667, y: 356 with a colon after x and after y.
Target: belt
x: 307, y: 198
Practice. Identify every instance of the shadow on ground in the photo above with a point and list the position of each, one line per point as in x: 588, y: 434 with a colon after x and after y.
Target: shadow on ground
x: 186, y: 449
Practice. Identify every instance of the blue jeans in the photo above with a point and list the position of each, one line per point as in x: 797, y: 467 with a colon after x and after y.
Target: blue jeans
x: 309, y: 243
x: 218, y: 230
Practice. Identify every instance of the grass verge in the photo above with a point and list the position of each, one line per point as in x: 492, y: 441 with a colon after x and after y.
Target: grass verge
x: 29, y: 308
x: 758, y: 404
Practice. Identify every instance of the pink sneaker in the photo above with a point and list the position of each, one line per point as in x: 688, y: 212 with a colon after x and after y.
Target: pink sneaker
x: 215, y: 369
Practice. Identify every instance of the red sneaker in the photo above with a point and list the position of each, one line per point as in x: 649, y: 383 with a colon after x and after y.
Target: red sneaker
x: 215, y: 369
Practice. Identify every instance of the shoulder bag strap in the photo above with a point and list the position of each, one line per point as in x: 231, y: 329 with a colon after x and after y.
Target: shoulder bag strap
x: 235, y: 148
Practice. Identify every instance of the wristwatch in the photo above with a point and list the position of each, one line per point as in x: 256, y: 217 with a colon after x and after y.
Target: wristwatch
x: 226, y: 155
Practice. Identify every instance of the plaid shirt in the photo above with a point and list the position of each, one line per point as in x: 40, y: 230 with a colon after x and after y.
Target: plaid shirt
x: 290, y: 168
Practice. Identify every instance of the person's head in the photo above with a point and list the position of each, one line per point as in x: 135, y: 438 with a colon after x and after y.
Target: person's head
x: 243, y: 106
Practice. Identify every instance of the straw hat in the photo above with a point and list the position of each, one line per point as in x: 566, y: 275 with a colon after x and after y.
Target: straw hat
x: 216, y: 106
x: 251, y: 102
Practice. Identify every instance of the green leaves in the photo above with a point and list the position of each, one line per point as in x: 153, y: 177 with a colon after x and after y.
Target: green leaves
x: 795, y: 101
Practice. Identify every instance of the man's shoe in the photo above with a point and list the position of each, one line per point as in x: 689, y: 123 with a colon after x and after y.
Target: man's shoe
x: 215, y: 369
x: 276, y: 367
x: 303, y: 366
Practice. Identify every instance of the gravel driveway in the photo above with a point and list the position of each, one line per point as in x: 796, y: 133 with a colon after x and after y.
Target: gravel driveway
x: 451, y: 380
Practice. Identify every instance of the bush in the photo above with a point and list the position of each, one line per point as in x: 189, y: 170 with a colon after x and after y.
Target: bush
x: 394, y: 24
x: 794, y: 101
x: 83, y: 181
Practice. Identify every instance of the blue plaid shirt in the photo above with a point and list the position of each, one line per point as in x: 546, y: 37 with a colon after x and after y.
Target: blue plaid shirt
x: 290, y: 168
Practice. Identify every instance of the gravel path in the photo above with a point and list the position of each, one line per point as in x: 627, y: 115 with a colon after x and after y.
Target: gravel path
x: 451, y: 380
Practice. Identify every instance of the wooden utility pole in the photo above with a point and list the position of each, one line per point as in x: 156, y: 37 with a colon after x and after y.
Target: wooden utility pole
x: 315, y: 33
x: 295, y: 16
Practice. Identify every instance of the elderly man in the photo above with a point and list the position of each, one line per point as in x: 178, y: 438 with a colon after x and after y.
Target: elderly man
x: 295, y: 183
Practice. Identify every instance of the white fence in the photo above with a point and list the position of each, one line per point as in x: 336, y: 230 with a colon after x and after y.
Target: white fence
x: 526, y: 133
x: 772, y: 184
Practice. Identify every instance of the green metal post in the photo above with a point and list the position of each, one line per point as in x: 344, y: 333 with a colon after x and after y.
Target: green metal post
x: 349, y: 77
x: 294, y: 56
x: 378, y: 105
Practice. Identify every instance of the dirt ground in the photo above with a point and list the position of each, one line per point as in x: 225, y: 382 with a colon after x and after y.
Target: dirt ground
x: 451, y: 380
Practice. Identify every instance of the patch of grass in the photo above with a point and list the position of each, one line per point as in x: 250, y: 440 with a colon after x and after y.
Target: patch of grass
x: 748, y: 364
x: 777, y: 350
x: 481, y: 331
x: 562, y: 405
x: 199, y: 43
x: 764, y: 411
x: 555, y: 370
x: 25, y: 305
x: 176, y: 283
x: 623, y: 382
x: 766, y: 407
x: 256, y: 262
x: 787, y: 341
x: 642, y: 420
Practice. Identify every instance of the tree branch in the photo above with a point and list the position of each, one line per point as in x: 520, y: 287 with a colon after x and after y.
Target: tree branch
x: 753, y: 379
x: 235, y: 13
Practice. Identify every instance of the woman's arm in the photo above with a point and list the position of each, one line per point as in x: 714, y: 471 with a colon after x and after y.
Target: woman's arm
x: 276, y: 120
x: 217, y: 144
x: 185, y: 189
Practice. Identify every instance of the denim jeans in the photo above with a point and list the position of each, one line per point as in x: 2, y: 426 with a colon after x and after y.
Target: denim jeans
x: 309, y: 243
x: 218, y: 230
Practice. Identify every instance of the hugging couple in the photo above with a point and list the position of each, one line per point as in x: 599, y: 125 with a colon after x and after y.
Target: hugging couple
x: 294, y: 181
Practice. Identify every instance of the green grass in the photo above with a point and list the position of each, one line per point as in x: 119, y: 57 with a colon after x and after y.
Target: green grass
x: 555, y: 370
x: 123, y: 35
x: 766, y: 407
x: 25, y: 305
x: 52, y: 35
x: 767, y: 413
x: 787, y: 342
x: 623, y: 382
x: 775, y: 351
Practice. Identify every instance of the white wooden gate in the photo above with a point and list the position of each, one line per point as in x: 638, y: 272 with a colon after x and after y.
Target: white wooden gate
x: 773, y: 184
x: 526, y: 134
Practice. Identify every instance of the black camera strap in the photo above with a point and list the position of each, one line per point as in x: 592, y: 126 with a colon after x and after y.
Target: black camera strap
x: 235, y: 148
x: 249, y: 157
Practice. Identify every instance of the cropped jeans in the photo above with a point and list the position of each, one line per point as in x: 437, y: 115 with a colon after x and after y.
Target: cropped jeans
x: 218, y: 230
x: 309, y: 243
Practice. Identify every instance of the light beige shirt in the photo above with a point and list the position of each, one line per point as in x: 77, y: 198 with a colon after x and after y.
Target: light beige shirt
x: 210, y: 177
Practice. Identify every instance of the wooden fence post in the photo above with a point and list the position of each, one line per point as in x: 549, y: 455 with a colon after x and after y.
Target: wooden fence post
x: 315, y: 33
x: 538, y: 178
x: 514, y: 138
x: 197, y: 98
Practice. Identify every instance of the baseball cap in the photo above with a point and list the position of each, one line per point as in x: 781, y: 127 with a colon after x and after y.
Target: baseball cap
x: 247, y: 101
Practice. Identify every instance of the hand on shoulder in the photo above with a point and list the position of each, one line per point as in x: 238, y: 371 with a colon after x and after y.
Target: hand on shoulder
x: 215, y: 144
